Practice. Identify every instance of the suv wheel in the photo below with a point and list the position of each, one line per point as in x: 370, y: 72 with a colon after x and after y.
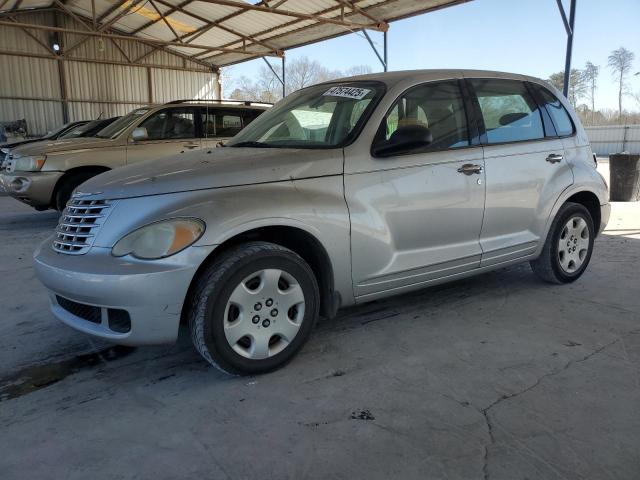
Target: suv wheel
x: 253, y: 308
x: 68, y: 185
x: 567, y: 250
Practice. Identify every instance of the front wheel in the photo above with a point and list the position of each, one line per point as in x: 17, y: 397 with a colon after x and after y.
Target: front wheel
x: 569, y: 245
x: 253, y: 309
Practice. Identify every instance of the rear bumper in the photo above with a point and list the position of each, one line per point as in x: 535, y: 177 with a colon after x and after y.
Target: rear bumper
x: 605, y: 213
x: 151, y: 292
x: 32, y: 188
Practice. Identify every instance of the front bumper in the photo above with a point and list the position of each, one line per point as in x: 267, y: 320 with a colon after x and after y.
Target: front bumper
x: 32, y: 188
x: 152, y: 292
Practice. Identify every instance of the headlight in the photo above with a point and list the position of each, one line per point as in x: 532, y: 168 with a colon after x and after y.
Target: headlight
x: 160, y: 239
x: 28, y: 164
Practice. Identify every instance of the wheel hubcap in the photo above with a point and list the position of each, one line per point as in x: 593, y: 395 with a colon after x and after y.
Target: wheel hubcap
x: 256, y: 332
x: 573, y: 244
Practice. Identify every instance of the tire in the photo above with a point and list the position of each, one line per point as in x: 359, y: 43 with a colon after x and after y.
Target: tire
x: 237, y: 291
x: 565, y: 262
x: 68, y: 185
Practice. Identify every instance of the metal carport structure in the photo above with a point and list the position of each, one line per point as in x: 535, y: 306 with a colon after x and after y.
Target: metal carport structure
x: 209, y: 34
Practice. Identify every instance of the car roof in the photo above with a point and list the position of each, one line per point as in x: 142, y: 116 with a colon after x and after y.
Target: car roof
x: 226, y: 104
x: 391, y: 78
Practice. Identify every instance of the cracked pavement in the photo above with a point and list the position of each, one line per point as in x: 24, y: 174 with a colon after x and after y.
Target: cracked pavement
x: 494, y: 377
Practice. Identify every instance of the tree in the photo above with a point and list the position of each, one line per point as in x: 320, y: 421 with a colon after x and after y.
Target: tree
x: 557, y: 80
x: 620, y: 63
x: 590, y: 74
x: 357, y: 70
x: 299, y: 73
x: 577, y: 84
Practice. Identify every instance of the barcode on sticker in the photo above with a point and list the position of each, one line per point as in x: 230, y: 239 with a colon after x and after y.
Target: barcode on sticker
x: 347, y: 92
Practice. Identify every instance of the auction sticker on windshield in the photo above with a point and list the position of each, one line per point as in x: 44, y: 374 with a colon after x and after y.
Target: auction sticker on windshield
x: 347, y: 92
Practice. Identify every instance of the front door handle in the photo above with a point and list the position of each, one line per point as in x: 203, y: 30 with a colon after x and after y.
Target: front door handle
x: 470, y: 169
x: 191, y: 146
x: 554, y: 158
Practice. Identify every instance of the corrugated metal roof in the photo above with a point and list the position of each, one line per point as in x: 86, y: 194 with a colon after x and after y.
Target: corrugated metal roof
x: 232, y: 31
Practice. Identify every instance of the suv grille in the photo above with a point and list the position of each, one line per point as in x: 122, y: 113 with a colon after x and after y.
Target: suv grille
x: 79, y: 225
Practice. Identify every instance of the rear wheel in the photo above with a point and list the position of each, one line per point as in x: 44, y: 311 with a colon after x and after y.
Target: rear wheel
x: 568, y: 247
x: 253, y: 309
x: 68, y: 185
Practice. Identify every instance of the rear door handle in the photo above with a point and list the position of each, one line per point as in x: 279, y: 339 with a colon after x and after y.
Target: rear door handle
x: 470, y: 169
x: 554, y: 158
x: 191, y: 146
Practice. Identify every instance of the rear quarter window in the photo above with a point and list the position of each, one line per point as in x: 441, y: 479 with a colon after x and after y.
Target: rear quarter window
x: 557, y: 112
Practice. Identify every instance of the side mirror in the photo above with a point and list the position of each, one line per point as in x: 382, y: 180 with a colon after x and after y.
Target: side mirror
x: 406, y: 139
x: 139, y: 134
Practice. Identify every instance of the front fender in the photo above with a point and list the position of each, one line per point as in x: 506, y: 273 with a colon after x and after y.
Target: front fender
x: 314, y: 205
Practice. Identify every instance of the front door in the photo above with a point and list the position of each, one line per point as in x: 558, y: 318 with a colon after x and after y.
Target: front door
x: 170, y: 131
x: 525, y: 170
x: 417, y: 217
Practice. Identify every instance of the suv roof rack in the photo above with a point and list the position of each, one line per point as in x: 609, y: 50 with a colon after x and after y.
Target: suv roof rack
x: 235, y: 102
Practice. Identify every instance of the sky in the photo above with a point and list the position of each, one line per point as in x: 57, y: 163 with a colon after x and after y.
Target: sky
x: 520, y: 36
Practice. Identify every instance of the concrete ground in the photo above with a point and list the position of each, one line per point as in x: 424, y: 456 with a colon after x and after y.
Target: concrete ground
x: 500, y: 376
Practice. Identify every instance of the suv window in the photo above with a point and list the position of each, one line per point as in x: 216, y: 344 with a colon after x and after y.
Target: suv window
x: 250, y: 115
x: 437, y: 106
x: 559, y: 115
x: 171, y: 123
x: 221, y: 123
x: 510, y: 113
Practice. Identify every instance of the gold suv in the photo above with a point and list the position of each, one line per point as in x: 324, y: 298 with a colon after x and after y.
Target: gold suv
x: 43, y: 174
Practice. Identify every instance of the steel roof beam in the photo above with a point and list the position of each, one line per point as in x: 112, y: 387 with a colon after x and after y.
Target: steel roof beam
x: 149, y: 41
x: 166, y: 22
x: 300, y: 16
x: 173, y: 9
x: 217, y: 24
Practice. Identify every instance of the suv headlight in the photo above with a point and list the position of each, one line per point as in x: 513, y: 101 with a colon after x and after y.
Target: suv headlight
x: 29, y: 164
x: 161, y: 239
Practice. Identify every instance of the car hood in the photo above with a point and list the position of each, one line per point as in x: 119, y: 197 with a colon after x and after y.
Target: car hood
x: 17, y: 143
x: 215, y: 168
x: 62, y: 145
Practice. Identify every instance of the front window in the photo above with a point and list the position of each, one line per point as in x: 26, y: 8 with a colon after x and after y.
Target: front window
x: 438, y: 106
x: 117, y: 127
x: 322, y: 116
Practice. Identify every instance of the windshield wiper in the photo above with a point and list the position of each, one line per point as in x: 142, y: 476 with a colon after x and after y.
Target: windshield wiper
x: 253, y: 144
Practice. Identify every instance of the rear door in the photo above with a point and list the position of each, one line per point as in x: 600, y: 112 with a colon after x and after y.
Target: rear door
x: 170, y: 131
x: 525, y: 168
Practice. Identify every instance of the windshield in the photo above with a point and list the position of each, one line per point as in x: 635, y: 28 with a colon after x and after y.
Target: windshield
x: 57, y: 131
x: 322, y: 116
x: 81, y: 129
x: 119, y: 125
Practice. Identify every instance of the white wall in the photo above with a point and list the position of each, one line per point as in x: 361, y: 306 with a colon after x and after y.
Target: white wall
x: 609, y: 139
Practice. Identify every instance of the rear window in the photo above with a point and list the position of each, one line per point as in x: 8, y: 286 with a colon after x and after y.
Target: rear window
x: 559, y: 115
x: 510, y: 113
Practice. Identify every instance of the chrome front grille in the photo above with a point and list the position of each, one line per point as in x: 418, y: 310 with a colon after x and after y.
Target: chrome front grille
x: 79, y: 225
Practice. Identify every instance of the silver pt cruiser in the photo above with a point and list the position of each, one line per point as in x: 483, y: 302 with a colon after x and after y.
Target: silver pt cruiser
x: 344, y: 192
